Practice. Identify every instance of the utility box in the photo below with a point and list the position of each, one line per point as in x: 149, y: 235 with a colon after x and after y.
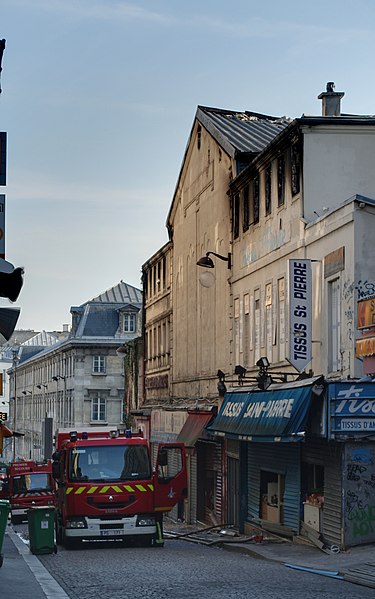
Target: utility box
x: 41, y: 521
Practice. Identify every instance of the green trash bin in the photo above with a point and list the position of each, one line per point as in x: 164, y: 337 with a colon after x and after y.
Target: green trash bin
x: 41, y: 521
x: 4, y: 513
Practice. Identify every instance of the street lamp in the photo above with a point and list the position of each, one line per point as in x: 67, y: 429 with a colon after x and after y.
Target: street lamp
x: 15, y: 359
x: 207, y: 278
x: 121, y: 353
x: 60, y: 411
x: 207, y: 262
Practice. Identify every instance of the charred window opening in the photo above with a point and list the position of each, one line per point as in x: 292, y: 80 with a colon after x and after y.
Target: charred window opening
x: 268, y: 190
x: 295, y: 168
x: 281, y: 180
x: 245, y: 206
x: 236, y: 216
x: 256, y: 200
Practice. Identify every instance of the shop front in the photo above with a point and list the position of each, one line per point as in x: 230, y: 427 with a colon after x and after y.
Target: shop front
x: 270, y: 427
x: 204, y: 468
x: 352, y: 427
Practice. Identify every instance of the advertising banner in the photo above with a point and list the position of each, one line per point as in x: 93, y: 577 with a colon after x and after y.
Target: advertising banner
x: 300, y: 310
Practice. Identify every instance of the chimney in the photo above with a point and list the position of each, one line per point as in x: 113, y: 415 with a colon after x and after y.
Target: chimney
x: 331, y: 100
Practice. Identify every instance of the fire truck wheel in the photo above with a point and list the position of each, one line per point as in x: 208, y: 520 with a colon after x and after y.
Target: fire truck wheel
x: 70, y: 543
x: 146, y: 541
x: 16, y: 519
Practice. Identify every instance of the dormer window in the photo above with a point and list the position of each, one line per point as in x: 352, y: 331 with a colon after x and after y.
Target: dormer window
x: 129, y: 323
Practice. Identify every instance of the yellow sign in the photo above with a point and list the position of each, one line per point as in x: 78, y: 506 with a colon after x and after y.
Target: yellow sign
x: 366, y: 313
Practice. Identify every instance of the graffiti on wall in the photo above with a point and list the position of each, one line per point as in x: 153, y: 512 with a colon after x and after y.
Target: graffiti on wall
x: 350, y: 289
x: 359, y: 487
x: 348, y: 292
x: 365, y: 289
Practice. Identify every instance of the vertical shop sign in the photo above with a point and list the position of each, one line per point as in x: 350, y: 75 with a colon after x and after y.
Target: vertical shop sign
x: 300, y: 308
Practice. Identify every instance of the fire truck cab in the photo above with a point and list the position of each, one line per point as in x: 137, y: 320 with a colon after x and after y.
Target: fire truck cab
x: 107, y: 489
x: 29, y: 484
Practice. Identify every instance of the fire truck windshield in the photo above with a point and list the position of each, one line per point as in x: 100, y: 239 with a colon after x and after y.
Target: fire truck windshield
x: 27, y: 483
x: 109, y: 462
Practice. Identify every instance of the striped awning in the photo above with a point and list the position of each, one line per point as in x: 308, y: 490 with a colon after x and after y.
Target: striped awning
x: 365, y: 347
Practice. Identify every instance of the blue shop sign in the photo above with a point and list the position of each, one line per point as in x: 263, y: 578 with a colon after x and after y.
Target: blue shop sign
x: 278, y: 414
x: 351, y: 409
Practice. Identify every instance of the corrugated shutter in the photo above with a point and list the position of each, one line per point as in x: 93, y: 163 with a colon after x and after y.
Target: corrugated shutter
x: 329, y: 455
x: 283, y: 459
x: 212, y: 465
x: 191, y: 517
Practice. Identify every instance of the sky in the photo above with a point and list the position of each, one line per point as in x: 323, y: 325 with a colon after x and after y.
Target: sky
x: 98, y: 100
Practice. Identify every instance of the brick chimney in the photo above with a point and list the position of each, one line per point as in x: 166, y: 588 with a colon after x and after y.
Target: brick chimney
x: 331, y: 100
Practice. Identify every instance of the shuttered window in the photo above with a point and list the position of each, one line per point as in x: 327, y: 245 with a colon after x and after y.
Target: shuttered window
x: 334, y: 318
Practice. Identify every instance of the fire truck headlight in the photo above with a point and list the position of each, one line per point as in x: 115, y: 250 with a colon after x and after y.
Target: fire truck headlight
x: 76, y: 523
x: 145, y: 521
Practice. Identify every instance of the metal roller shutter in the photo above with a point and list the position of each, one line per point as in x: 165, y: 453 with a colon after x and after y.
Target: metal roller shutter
x: 281, y: 458
x: 328, y: 454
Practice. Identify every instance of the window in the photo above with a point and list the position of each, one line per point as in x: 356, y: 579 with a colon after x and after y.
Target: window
x: 268, y: 189
x: 98, y: 409
x: 334, y: 313
x: 98, y: 365
x: 164, y: 273
x: 295, y: 169
x: 246, y: 329
x: 257, y: 326
x: 32, y: 482
x: 245, y: 205
x: 236, y: 216
x: 280, y: 181
x: 129, y: 323
x: 199, y: 137
x: 256, y: 200
x: 281, y: 318
x: 113, y: 462
x: 237, y: 331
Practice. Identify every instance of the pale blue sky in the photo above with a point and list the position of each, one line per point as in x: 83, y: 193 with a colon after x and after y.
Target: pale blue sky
x: 98, y: 100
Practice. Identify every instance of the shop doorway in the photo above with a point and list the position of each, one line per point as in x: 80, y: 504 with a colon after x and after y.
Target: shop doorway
x: 272, y: 486
x: 233, y: 491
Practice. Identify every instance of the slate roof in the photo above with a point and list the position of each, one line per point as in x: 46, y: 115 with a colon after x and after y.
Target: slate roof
x: 41, y: 339
x: 123, y: 293
x: 241, y: 132
x: 99, y: 317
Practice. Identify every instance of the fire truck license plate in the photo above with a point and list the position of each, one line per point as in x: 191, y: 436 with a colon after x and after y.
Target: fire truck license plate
x: 110, y: 533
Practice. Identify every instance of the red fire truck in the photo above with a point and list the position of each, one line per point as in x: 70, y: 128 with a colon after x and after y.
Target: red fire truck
x: 29, y: 484
x: 106, y: 487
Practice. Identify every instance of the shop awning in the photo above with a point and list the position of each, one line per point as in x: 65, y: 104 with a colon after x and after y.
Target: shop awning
x: 5, y: 431
x: 365, y: 347
x: 278, y: 414
x: 193, y: 428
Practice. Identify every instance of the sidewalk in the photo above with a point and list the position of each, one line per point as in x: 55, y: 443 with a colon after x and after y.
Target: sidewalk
x: 356, y: 565
x: 23, y: 575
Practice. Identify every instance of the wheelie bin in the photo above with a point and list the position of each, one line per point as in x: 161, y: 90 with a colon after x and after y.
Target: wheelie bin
x: 41, y: 529
x: 4, y: 513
